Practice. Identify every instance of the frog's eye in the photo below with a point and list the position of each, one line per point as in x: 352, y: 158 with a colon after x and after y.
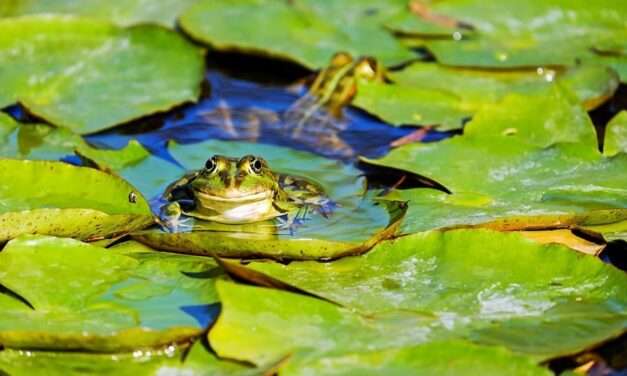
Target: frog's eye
x: 256, y: 165
x: 211, y: 164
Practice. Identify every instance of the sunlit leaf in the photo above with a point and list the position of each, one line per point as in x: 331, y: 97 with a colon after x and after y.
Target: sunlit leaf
x: 433, y: 94
x: 527, y: 162
x: 564, y: 300
x: 127, y: 12
x: 41, y: 141
x: 55, y: 198
x: 616, y: 135
x: 88, y: 75
x: 530, y: 33
x: 438, y: 358
x: 307, y: 32
x: 90, y: 298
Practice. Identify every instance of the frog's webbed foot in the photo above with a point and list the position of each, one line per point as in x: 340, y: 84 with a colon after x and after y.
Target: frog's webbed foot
x: 322, y: 205
x: 292, y: 221
x: 172, y: 218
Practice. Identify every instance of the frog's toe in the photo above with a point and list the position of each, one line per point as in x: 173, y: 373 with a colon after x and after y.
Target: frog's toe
x: 179, y: 224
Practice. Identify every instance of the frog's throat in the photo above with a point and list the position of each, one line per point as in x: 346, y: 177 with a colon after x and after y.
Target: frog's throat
x: 245, y: 209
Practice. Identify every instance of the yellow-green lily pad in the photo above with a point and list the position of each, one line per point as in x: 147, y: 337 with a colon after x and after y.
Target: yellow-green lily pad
x: 55, y: 198
x: 433, y: 94
x: 616, y: 135
x: 530, y: 33
x: 43, y: 142
x: 553, y: 302
x: 305, y: 31
x: 127, y: 12
x: 89, y: 75
x: 527, y: 162
x: 84, y: 297
x: 438, y: 358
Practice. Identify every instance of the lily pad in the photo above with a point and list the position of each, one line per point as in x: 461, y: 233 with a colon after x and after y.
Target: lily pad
x: 527, y: 162
x: 55, y: 198
x: 41, y: 141
x: 127, y: 12
x: 307, y: 32
x: 438, y: 358
x: 433, y: 94
x: 531, y: 33
x: 616, y: 135
x: 355, y: 225
x: 554, y: 302
x: 127, y: 300
x: 89, y: 75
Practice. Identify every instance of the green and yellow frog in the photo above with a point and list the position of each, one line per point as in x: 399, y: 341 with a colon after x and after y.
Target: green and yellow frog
x: 236, y: 191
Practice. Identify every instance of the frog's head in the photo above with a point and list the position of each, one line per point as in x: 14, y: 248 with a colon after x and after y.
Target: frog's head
x: 237, y: 190
x: 232, y: 179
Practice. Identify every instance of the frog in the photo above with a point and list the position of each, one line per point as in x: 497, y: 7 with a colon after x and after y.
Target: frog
x: 315, y: 120
x: 238, y: 191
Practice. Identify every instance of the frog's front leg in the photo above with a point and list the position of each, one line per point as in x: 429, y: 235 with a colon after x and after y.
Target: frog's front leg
x: 171, y: 217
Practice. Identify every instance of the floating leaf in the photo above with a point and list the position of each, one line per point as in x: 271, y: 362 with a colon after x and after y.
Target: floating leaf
x: 170, y: 361
x: 41, y: 141
x: 530, y: 33
x: 429, y: 93
x: 127, y: 300
x: 438, y: 358
x: 307, y: 32
x: 354, y: 226
x: 59, y: 199
x: 616, y: 135
x: 464, y: 279
x: 528, y: 162
x: 128, y: 12
x: 88, y: 75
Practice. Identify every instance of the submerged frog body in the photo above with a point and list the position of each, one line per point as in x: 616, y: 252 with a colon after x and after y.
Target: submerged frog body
x: 238, y: 191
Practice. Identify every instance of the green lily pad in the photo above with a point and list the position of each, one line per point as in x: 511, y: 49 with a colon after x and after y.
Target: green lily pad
x: 128, y: 12
x: 307, y: 32
x: 526, y: 162
x: 197, y: 361
x: 89, y: 75
x: 127, y: 299
x: 355, y: 225
x: 438, y: 358
x: 41, y: 141
x: 55, y: 198
x: 531, y: 33
x: 616, y: 135
x: 433, y: 94
x: 262, y: 326
x: 554, y: 302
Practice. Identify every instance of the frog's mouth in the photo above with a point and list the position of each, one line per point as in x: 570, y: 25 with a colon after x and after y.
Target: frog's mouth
x: 206, y: 197
x: 239, y: 209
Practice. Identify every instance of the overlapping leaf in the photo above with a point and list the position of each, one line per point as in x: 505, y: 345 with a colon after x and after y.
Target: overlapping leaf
x: 40, y: 141
x: 307, y: 32
x: 532, y: 33
x: 126, y: 12
x: 461, y: 283
x: 85, y: 297
x: 88, y: 75
x: 433, y: 94
x: 42, y: 197
x: 526, y: 162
